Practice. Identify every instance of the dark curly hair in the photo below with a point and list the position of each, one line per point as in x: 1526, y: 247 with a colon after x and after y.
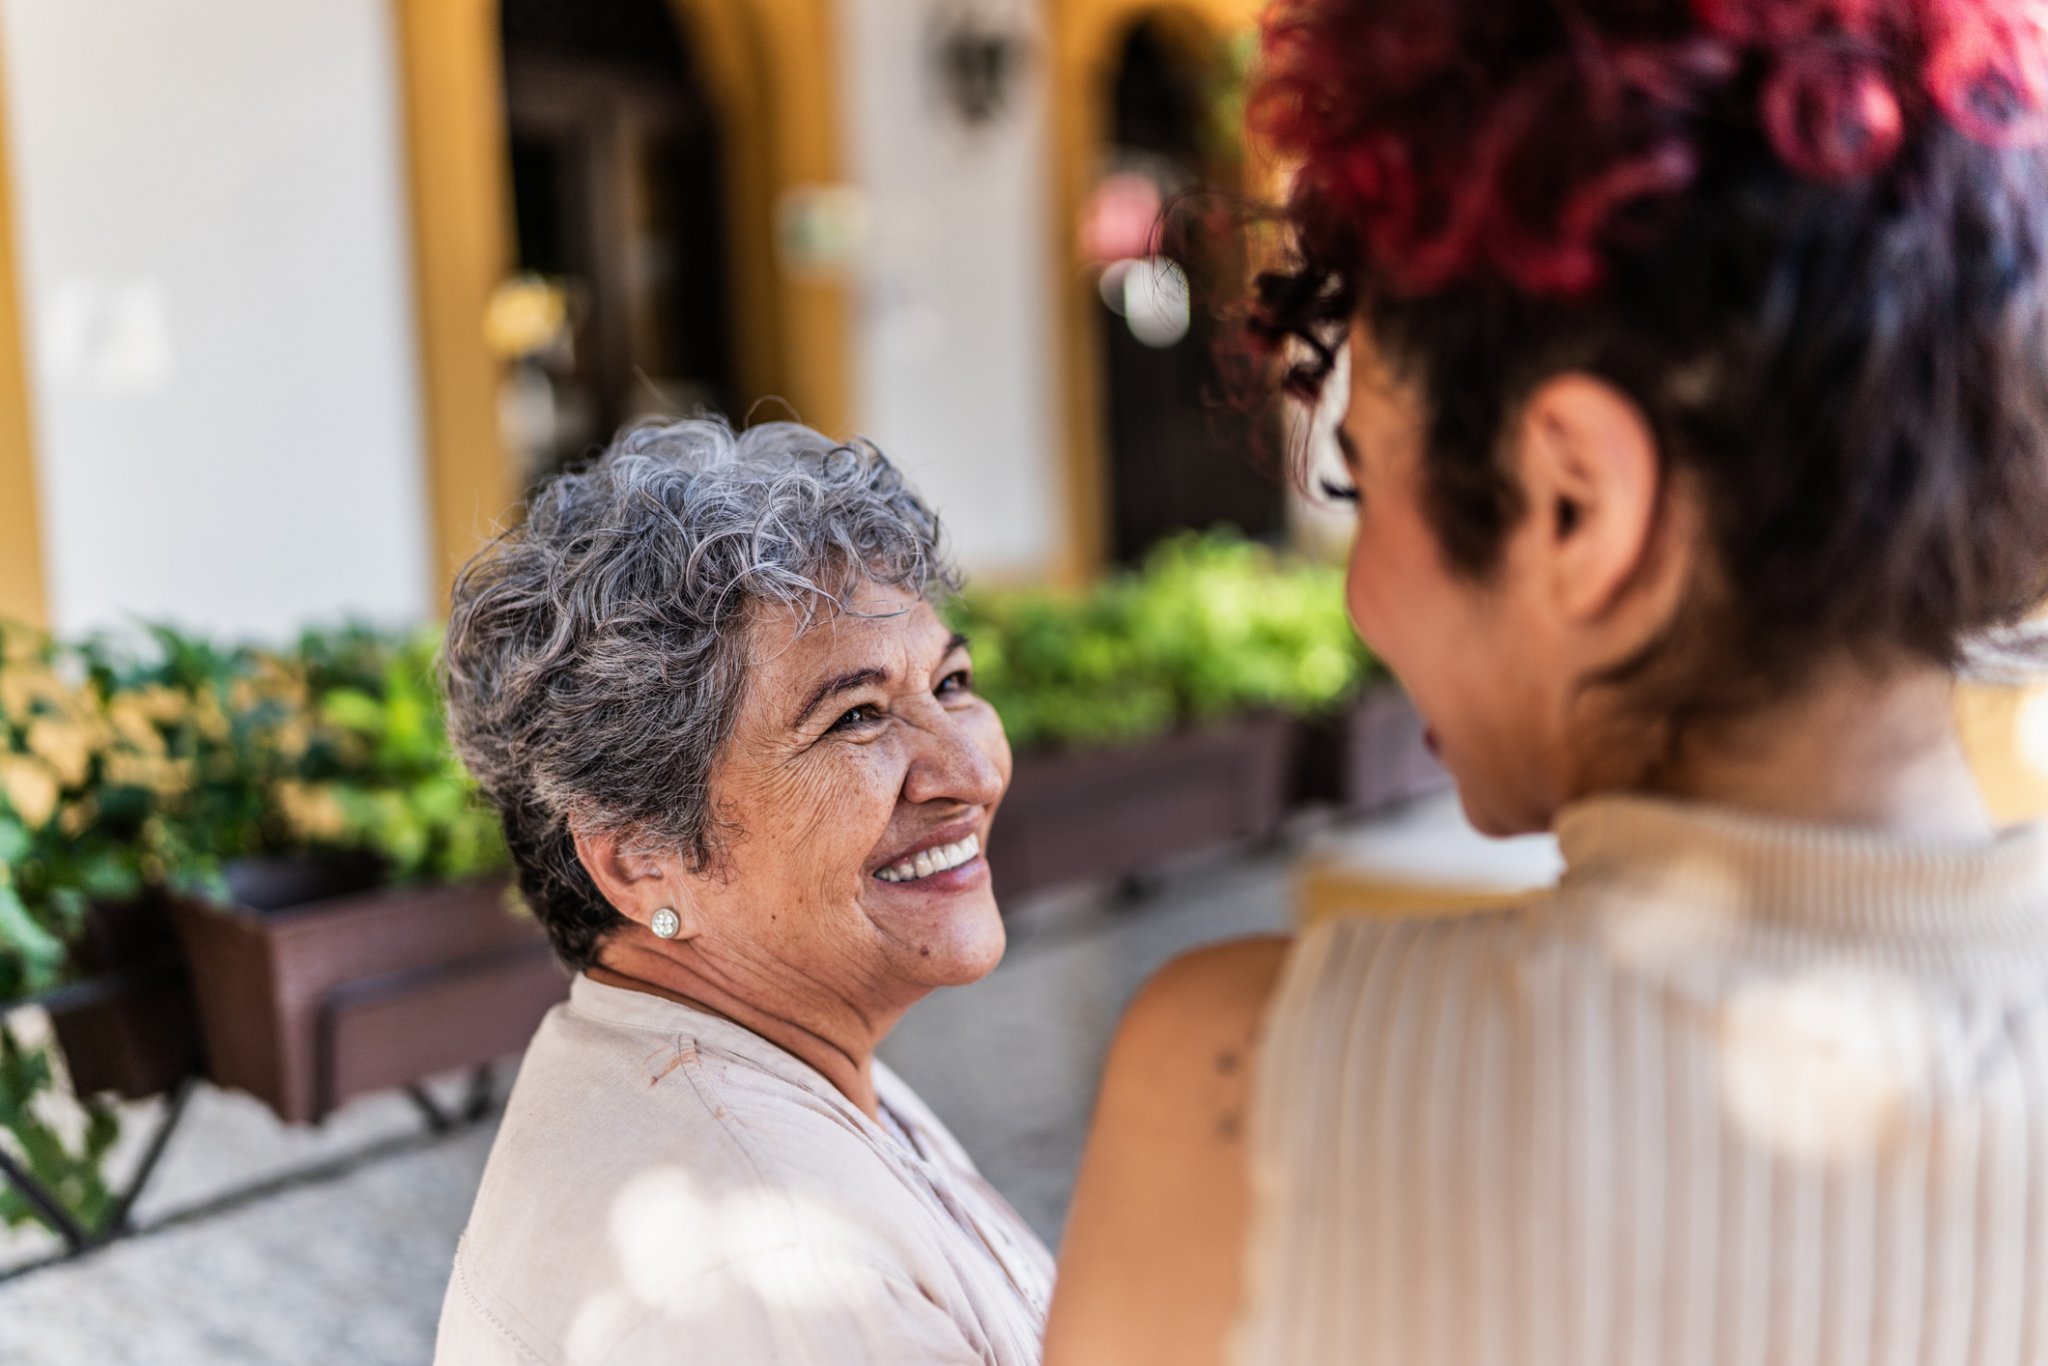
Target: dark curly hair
x: 1807, y: 238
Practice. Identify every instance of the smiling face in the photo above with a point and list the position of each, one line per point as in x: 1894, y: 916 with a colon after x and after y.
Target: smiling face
x: 861, y: 764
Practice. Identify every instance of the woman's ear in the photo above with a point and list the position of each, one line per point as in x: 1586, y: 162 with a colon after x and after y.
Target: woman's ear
x: 1589, y: 465
x: 636, y: 883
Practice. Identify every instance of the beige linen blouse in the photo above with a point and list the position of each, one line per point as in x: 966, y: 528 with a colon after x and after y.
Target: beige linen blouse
x: 1737, y: 1091
x: 667, y: 1187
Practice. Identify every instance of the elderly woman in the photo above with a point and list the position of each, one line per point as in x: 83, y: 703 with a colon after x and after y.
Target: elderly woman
x: 1696, y: 431
x: 746, y: 782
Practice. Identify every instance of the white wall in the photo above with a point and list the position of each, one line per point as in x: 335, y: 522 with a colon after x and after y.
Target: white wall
x: 952, y: 324
x: 215, y: 269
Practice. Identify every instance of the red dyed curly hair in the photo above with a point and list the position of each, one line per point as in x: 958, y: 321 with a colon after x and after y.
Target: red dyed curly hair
x: 1462, y: 139
x: 1809, y: 238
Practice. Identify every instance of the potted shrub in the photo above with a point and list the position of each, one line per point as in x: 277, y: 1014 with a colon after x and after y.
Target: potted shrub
x: 372, y: 942
x: 99, y: 780
x: 272, y: 849
x: 1107, y: 783
x: 96, y: 776
x: 1243, y: 628
x: 1153, y: 716
x: 1369, y: 755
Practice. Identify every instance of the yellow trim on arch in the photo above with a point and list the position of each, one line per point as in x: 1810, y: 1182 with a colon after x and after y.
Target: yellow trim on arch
x: 773, y: 80
x: 461, y: 221
x: 22, y: 589
x: 1087, y: 38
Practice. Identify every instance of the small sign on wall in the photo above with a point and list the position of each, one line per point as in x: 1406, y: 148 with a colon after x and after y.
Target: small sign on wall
x: 822, y: 232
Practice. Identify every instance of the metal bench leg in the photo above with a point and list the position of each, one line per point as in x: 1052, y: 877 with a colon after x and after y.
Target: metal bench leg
x: 76, y: 1236
x: 118, y: 1222
x: 438, y: 1120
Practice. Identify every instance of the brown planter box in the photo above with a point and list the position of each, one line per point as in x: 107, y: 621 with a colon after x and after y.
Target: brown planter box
x: 138, y: 1036
x: 307, y: 1007
x: 1370, y: 756
x: 1084, y: 815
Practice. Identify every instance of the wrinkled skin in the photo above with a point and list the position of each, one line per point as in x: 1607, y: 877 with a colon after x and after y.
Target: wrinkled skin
x: 789, y: 931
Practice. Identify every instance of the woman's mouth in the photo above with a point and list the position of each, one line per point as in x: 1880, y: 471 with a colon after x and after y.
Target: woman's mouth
x: 931, y: 862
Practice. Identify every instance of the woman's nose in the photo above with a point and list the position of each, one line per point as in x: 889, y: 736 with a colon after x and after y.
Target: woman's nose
x: 955, y: 762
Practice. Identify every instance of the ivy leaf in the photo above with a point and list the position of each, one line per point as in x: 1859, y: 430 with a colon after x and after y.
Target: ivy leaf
x: 73, y: 1175
x: 107, y: 876
x: 14, y: 840
x: 41, y: 952
x: 353, y: 710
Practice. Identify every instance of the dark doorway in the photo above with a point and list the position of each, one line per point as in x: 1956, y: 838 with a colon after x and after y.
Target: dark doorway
x: 617, y: 189
x: 1177, y: 460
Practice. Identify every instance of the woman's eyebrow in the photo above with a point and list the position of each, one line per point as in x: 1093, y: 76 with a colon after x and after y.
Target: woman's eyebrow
x: 838, y: 683
x: 856, y: 678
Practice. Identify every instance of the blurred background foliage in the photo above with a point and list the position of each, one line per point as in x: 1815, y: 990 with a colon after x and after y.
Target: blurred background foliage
x: 1208, y: 626
x: 152, y: 762
x: 155, y: 761
x: 161, y: 762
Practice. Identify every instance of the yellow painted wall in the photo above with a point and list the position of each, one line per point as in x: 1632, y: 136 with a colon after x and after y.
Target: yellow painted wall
x: 462, y: 248
x: 795, y: 113
x: 22, y: 591
x: 769, y: 63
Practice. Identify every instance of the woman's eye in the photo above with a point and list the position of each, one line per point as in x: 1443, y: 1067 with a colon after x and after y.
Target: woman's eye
x: 854, y: 719
x: 1339, y: 493
x: 958, y: 681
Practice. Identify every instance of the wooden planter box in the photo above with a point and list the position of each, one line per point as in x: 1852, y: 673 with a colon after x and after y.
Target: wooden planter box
x: 1087, y: 815
x: 306, y: 1007
x: 1370, y: 756
x: 128, y: 1026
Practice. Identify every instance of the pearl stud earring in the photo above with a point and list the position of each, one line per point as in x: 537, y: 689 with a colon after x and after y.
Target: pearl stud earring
x: 666, y: 924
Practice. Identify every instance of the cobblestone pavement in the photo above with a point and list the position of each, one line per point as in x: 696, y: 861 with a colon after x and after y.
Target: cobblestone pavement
x: 350, y: 1269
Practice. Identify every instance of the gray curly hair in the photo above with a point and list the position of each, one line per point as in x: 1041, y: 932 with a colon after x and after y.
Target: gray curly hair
x: 596, y: 652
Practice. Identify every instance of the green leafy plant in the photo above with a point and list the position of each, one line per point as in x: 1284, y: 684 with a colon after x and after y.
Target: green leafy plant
x: 96, y: 805
x: 1210, y: 626
x: 100, y: 795
x: 1060, y: 669
x: 1235, y: 627
x: 399, y: 791
x: 146, y: 763
x: 70, y: 1168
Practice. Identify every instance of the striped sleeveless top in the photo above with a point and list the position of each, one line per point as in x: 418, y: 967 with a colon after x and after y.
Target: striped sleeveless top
x: 1735, y: 1091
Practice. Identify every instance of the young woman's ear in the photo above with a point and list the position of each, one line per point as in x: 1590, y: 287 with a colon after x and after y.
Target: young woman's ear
x: 1589, y: 466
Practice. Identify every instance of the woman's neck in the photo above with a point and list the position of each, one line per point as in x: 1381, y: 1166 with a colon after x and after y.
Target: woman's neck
x: 834, y: 1038
x: 1851, y: 749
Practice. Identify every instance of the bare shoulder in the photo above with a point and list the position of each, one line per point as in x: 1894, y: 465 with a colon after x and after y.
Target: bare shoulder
x: 1190, y: 1033
x: 1149, y: 1268
x: 1236, y: 975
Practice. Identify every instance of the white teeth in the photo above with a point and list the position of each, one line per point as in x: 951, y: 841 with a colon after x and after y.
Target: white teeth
x: 932, y: 861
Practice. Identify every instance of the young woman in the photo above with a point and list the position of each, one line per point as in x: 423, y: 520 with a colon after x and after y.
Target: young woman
x: 1698, y: 430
